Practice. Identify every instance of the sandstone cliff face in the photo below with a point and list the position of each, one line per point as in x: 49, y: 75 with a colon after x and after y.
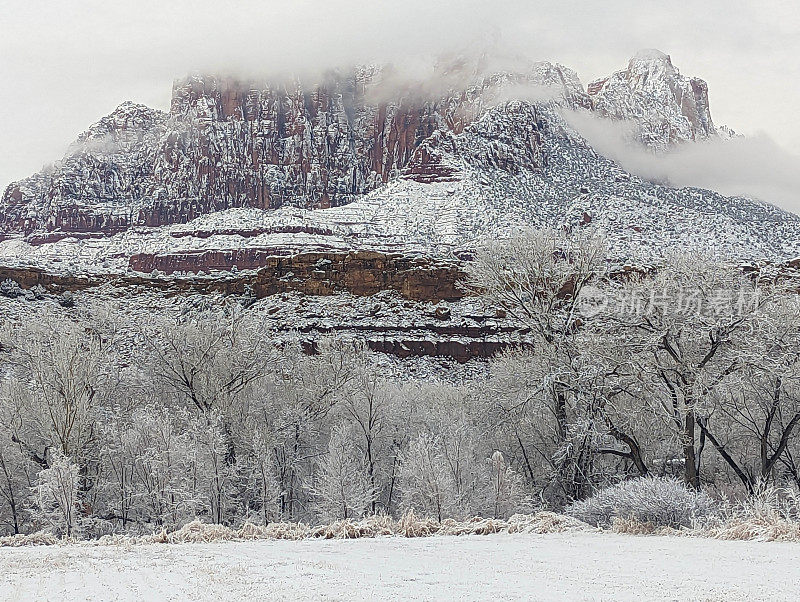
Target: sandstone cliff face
x: 242, y: 144
x: 360, y: 273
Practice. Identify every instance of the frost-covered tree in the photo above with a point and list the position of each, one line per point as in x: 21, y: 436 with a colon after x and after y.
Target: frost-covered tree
x: 211, y: 360
x: 425, y: 483
x: 302, y: 392
x: 60, y: 375
x: 167, y: 490
x: 55, y: 501
x: 259, y: 491
x: 538, y: 279
x: 453, y: 475
x: 17, y: 472
x: 682, y: 325
x: 118, y: 493
x: 342, y: 486
x: 753, y: 420
x: 366, y: 403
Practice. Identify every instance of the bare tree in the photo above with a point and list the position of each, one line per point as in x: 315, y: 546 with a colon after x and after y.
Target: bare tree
x: 366, y: 401
x: 754, y: 418
x: 61, y: 374
x: 209, y: 363
x: 293, y: 405
x: 538, y: 278
x: 681, y: 325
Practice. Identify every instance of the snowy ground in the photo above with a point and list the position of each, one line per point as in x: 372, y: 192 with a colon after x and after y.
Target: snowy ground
x: 572, y: 566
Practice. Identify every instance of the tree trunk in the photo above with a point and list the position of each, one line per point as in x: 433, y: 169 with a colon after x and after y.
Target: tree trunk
x: 726, y: 456
x: 691, y: 472
x: 634, y: 449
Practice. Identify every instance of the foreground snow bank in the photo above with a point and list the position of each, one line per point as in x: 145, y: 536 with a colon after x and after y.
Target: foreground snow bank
x: 565, y: 566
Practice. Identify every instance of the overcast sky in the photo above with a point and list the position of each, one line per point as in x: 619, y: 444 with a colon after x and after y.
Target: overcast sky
x: 65, y: 64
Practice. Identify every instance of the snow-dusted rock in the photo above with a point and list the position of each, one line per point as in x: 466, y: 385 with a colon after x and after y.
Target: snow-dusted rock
x: 667, y: 107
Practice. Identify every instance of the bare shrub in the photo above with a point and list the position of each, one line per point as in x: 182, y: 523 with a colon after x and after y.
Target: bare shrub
x: 661, y: 502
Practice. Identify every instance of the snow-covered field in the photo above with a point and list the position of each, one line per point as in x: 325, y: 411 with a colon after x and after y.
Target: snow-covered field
x: 569, y: 566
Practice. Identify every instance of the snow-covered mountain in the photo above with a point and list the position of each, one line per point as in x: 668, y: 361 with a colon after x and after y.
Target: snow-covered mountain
x: 227, y: 143
x: 360, y: 161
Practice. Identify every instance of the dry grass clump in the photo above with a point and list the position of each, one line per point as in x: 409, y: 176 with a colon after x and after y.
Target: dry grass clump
x: 473, y: 526
x: 40, y: 538
x: 772, y: 514
x: 408, y: 525
x: 546, y: 522
x: 110, y: 540
x: 540, y: 522
x: 290, y: 531
x: 371, y: 526
x: 632, y: 526
x: 200, y: 532
x: 747, y: 529
x: 194, y: 532
x: 734, y: 529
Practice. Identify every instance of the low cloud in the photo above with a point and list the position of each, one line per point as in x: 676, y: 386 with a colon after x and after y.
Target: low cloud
x: 753, y: 166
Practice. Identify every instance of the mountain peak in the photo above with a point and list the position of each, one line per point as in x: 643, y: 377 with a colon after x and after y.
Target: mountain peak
x: 651, y: 54
x: 673, y: 108
x: 652, y: 62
